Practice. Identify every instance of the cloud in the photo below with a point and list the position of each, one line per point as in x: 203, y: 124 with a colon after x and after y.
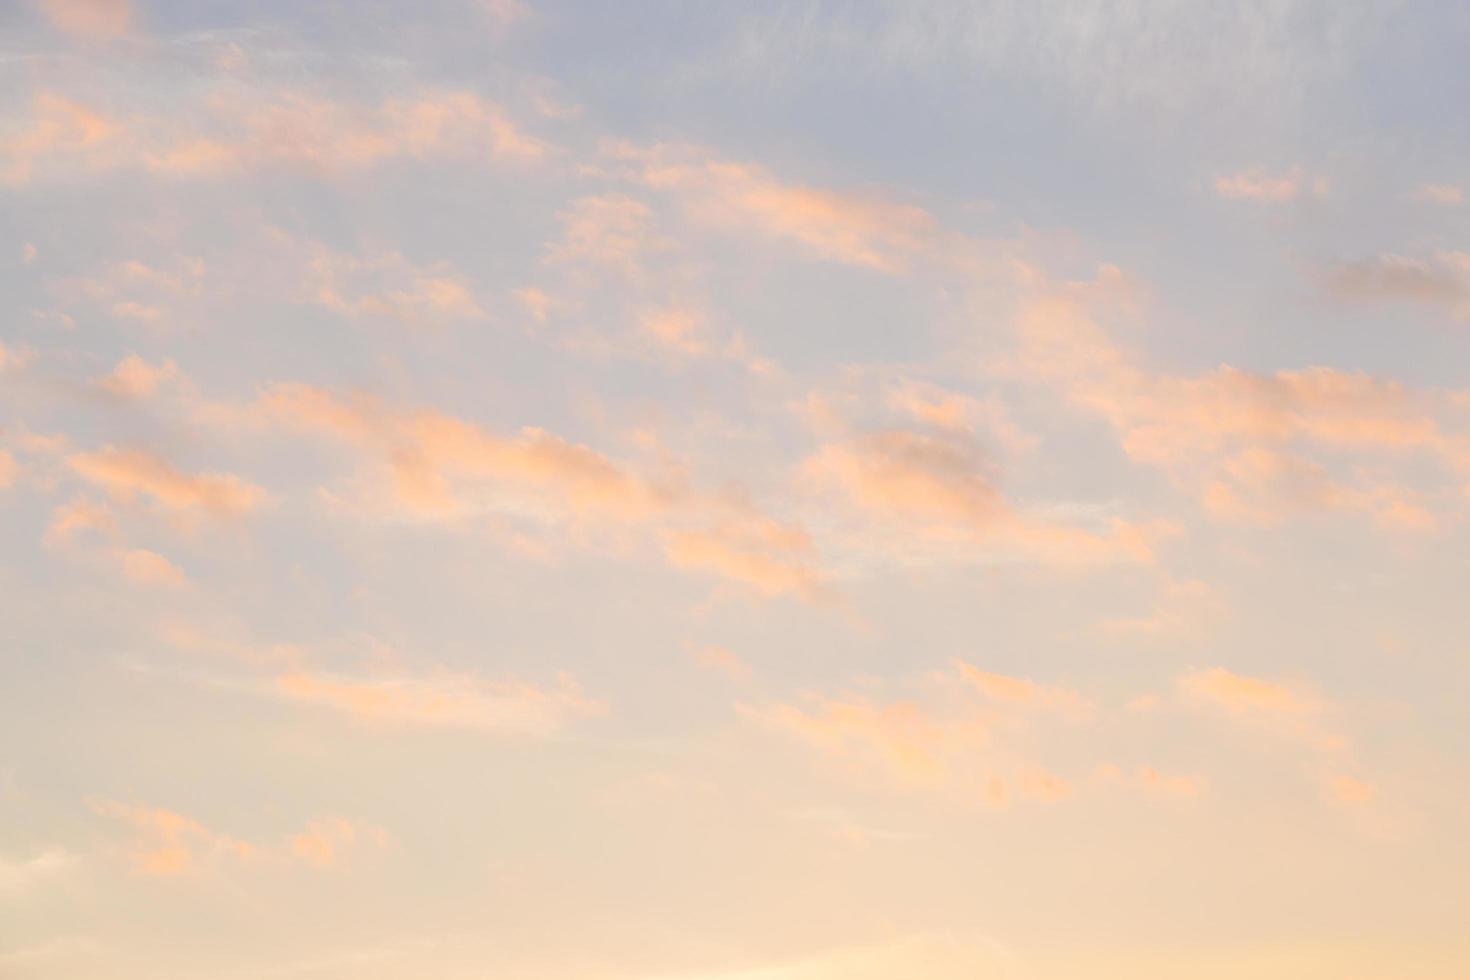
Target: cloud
x: 506, y: 12
x: 1268, y: 705
x: 7, y: 469
x: 1239, y: 694
x: 1442, y: 281
x: 1445, y: 194
x: 1149, y: 780
x: 136, y: 291
x: 771, y: 558
x: 1024, y: 693
x: 1254, y: 185
x: 722, y: 660
x: 437, y: 461
x: 866, y: 231
x: 960, y: 739
x: 1264, y: 487
x: 125, y: 473
x: 171, y: 845
x: 944, y: 488
x: 323, y: 842
x: 1346, y: 789
x: 388, y: 286
x: 19, y: 875
x: 89, y: 18
x: 135, y: 378
x: 610, y: 231
x: 1184, y: 607
x: 438, y: 467
x: 444, y: 700
x: 1247, y: 444
x: 228, y: 134
x: 149, y: 568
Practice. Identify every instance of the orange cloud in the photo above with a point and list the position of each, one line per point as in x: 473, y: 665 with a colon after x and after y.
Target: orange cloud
x: 1149, y: 780
x: 323, y: 842
x: 444, y: 700
x: 1184, y: 607
x: 1239, y: 694
x: 722, y: 660
x: 1022, y: 692
x: 1254, y: 185
x: 389, y: 286
x: 954, y: 741
x: 136, y: 378
x: 1242, y: 441
x: 170, y: 844
x: 1442, y: 280
x: 60, y: 131
x: 149, y: 568
x: 773, y: 559
x: 611, y: 231
x: 1346, y: 789
x: 439, y: 466
x: 125, y: 473
x: 1445, y: 194
x: 229, y: 134
x: 18, y: 876
x: 942, y: 487
x: 90, y: 18
x: 863, y: 231
x: 436, y: 460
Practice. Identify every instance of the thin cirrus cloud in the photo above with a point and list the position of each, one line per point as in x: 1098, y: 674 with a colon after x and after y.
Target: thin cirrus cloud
x: 168, y: 844
x: 439, y: 467
x: 64, y: 137
x: 444, y: 700
x: 960, y: 739
x: 1247, y: 443
x: 869, y: 232
x: 126, y: 473
x: 20, y: 875
x: 1448, y: 195
x: 941, y: 487
x: 89, y: 18
x: 1272, y: 706
x: 387, y: 285
x: 135, y: 378
x: 1257, y: 185
x: 1440, y: 281
x: 149, y: 568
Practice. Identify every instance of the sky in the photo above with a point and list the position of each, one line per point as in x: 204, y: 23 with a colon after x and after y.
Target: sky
x: 548, y: 490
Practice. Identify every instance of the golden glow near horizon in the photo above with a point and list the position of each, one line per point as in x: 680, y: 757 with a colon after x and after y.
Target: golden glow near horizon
x: 773, y: 491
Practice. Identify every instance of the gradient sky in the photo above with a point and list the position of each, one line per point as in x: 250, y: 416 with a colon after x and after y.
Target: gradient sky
x: 750, y: 491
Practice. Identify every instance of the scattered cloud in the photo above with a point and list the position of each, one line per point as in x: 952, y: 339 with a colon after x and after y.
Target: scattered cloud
x: 170, y: 845
x: 89, y: 18
x: 962, y: 736
x: 444, y: 700
x: 721, y: 660
x: 1256, y: 185
x: 149, y: 568
x: 135, y: 378
x: 1346, y: 789
x: 1445, y: 194
x: 231, y: 133
x: 127, y: 473
x: 867, y: 231
x: 18, y: 876
x: 1441, y: 281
